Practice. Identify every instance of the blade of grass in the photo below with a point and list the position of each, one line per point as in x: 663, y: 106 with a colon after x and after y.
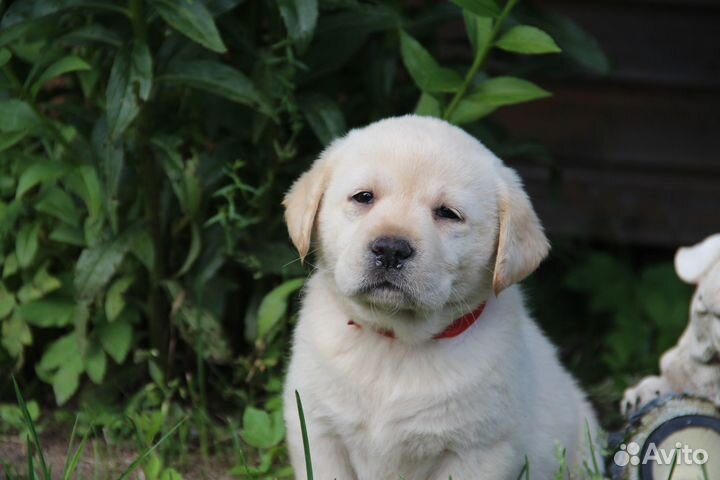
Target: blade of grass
x: 31, y: 465
x: 306, y: 442
x: 70, y: 446
x: 591, y: 443
x: 6, y: 469
x: 136, y: 463
x: 240, y: 455
x: 674, y: 464
x: 33, y: 432
x: 73, y: 464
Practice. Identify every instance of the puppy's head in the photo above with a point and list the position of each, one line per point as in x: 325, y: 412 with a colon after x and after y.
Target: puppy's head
x: 413, y: 215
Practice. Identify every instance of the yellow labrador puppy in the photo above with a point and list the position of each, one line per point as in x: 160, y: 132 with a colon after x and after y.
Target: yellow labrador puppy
x: 414, y: 355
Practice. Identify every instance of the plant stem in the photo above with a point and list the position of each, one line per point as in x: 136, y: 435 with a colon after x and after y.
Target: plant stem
x: 480, y: 58
x: 138, y: 20
x: 157, y: 311
x: 202, y: 393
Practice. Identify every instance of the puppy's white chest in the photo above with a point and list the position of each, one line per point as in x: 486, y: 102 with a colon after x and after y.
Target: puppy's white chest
x: 391, y: 434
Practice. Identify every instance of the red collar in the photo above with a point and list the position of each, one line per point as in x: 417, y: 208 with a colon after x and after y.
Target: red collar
x: 453, y: 330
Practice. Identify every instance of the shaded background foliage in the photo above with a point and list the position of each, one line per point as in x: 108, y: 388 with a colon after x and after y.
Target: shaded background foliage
x: 144, y: 149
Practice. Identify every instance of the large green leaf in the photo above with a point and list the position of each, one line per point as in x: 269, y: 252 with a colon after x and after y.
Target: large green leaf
x: 59, y: 352
x: 66, y: 380
x: 16, y: 335
x: 111, y: 167
x: 26, y: 244
x: 95, y: 362
x: 479, y: 29
x: 182, y: 175
x: 484, y: 8
x: 10, y: 139
x: 324, y: 116
x: 115, y: 298
x: 493, y: 94
x: 129, y: 85
x: 198, y: 326
x: 142, y: 247
x: 48, y: 312
x: 41, y: 284
x: 41, y: 171
x: 300, y: 17
x: 428, y: 75
x: 575, y: 42
x: 217, y: 78
x: 89, y: 189
x: 92, y: 33
x: 116, y: 339
x: 62, y: 364
x: 71, y: 63
x: 17, y: 116
x: 68, y: 234
x: 5, y: 56
x: 59, y: 204
x: 528, y: 40
x: 260, y: 429
x: 7, y: 301
x: 192, y: 19
x: 10, y: 265
x: 97, y: 265
x: 273, y: 307
x: 428, y: 106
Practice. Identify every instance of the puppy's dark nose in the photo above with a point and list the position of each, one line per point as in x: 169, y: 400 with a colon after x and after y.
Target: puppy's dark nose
x: 391, y: 252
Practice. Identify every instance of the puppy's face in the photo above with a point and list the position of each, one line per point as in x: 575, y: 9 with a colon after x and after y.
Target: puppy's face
x: 408, y: 219
x: 412, y: 214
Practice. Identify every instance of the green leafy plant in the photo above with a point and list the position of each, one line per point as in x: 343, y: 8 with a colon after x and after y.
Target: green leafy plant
x: 472, y: 96
x: 649, y: 309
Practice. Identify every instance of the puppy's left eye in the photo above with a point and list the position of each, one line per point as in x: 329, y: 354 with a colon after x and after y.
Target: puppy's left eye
x: 364, y: 197
x: 447, y: 213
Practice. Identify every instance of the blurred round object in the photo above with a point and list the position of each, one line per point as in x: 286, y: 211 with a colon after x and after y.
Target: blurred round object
x: 676, y: 434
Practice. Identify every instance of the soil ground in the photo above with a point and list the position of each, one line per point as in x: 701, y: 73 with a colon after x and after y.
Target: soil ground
x: 100, y: 461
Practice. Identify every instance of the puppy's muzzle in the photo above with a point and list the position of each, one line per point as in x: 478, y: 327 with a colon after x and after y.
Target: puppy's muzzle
x: 391, y: 252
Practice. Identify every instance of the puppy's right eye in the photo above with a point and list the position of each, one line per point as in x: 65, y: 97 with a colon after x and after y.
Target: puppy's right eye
x: 363, y: 197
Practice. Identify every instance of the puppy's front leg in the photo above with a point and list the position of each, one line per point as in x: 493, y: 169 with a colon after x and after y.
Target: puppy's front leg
x: 330, y: 460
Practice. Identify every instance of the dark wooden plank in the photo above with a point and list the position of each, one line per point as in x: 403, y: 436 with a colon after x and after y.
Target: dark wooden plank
x: 669, y: 43
x: 708, y: 4
x: 635, y: 207
x: 647, y: 44
x: 612, y: 127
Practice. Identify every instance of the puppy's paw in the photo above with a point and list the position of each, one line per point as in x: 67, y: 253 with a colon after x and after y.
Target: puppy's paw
x: 641, y: 394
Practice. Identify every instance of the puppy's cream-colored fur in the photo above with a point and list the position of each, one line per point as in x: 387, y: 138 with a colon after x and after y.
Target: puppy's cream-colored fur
x: 413, y: 407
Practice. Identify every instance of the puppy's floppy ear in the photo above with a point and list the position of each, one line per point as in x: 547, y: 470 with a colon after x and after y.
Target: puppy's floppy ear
x: 691, y: 263
x: 521, y: 242
x: 302, y: 202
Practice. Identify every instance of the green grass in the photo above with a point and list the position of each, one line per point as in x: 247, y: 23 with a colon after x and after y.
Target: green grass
x: 38, y: 467
x: 34, y: 448
x: 306, y: 441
